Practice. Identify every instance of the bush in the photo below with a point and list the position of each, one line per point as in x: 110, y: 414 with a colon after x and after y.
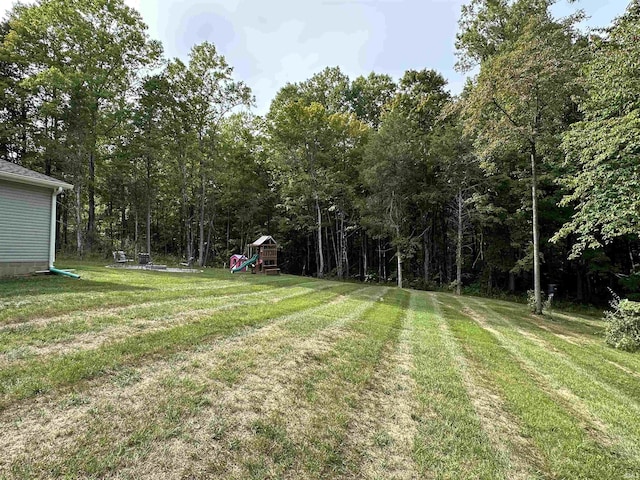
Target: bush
x: 546, y: 302
x: 623, y: 325
x: 531, y: 300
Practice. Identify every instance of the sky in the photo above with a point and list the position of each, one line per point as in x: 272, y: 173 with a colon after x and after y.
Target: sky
x: 272, y: 42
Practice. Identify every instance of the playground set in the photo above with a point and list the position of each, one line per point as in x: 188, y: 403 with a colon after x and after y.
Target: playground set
x: 263, y: 258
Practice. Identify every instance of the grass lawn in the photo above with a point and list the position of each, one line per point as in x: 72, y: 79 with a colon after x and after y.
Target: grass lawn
x: 130, y: 374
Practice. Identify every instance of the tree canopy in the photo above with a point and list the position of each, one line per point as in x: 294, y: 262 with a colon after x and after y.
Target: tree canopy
x: 375, y: 177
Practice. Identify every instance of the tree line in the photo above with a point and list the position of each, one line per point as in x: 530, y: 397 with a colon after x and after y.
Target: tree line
x: 529, y: 178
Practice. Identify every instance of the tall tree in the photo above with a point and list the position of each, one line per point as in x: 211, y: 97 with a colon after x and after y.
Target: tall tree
x: 520, y: 100
x: 205, y: 92
x: 399, y: 163
x: 300, y: 138
x: 460, y: 178
x: 149, y: 140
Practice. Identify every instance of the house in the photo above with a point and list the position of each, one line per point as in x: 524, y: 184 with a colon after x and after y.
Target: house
x: 27, y: 219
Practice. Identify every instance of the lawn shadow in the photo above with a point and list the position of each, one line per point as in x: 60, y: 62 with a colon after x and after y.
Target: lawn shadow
x: 46, y: 285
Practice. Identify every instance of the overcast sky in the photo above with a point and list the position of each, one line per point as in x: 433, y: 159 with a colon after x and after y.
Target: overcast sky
x: 271, y: 42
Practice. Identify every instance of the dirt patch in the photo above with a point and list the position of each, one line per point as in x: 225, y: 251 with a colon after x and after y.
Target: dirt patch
x: 624, y: 369
x: 96, y: 311
x: 267, y: 394
x: 192, y: 294
x: 580, y: 319
x: 561, y: 333
x: 95, y: 339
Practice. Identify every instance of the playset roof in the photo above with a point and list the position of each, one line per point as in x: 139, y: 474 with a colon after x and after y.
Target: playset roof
x: 264, y: 240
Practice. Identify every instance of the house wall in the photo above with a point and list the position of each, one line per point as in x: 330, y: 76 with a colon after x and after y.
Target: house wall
x: 25, y: 223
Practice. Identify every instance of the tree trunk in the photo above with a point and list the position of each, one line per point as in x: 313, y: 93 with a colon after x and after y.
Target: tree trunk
x: 337, y: 245
x: 336, y: 249
x: 135, y: 235
x: 308, y: 264
x: 79, y: 242
x: 148, y: 235
x: 65, y: 224
x: 328, y: 267
x: 379, y: 260
x: 345, y: 253
x: 399, y: 255
x: 427, y: 259
x: 91, y: 219
x: 228, y: 229
x: 384, y: 264
x: 459, y: 247
x: 536, y: 232
x: 364, y: 256
x: 320, y: 252
x: 206, y: 254
x: 123, y: 225
x: 201, y: 241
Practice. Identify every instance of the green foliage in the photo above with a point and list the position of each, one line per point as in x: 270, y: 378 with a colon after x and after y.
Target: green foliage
x: 623, y: 325
x: 603, y: 150
x: 350, y: 176
x: 401, y: 158
x: 547, y: 302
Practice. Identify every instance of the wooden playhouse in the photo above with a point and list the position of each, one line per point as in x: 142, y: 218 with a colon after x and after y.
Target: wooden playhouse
x: 266, y: 249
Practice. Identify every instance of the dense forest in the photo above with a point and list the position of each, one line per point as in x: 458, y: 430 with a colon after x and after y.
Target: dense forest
x: 529, y: 178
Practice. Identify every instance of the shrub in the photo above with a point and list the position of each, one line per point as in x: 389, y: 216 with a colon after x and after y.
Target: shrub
x: 531, y: 300
x: 623, y: 325
x: 546, y: 302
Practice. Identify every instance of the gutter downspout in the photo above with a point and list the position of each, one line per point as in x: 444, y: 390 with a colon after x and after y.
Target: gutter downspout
x: 52, y: 231
x: 52, y: 237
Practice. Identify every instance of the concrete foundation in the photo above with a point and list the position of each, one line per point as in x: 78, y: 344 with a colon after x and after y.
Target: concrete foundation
x: 10, y: 269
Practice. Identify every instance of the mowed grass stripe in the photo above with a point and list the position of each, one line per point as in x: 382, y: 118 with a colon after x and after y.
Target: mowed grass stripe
x: 17, y: 339
x: 450, y: 441
x: 603, y: 404
x: 594, y: 358
x: 182, y: 404
x: 243, y: 407
x: 519, y: 457
x: 569, y: 451
x: 24, y: 308
x: 37, y: 376
x: 381, y: 434
x: 159, y: 299
x: 312, y: 446
x: 100, y: 280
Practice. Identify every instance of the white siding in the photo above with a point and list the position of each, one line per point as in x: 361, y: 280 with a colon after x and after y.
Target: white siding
x: 25, y: 222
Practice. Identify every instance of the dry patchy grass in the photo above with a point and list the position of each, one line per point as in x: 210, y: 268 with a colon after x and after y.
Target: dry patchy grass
x: 151, y: 375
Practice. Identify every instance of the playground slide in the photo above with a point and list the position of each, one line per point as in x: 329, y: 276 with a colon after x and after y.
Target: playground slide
x: 253, y: 259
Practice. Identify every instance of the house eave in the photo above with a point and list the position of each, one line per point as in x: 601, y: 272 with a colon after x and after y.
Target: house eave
x: 39, y: 182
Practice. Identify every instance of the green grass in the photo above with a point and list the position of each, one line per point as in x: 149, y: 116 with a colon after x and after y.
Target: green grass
x: 128, y: 374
